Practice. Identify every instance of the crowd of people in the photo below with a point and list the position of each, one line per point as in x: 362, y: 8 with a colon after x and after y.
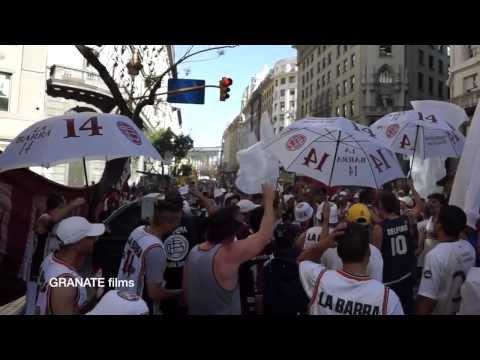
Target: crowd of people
x: 288, y: 251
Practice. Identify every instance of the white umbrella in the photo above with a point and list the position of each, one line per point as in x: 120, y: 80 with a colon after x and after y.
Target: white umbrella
x: 67, y: 138
x: 419, y: 135
x: 442, y: 110
x: 335, y: 151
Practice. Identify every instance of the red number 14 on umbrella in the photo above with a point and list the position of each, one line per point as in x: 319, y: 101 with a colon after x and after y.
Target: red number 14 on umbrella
x: 91, y: 124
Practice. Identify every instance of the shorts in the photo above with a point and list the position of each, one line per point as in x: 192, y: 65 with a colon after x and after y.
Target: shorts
x: 404, y: 291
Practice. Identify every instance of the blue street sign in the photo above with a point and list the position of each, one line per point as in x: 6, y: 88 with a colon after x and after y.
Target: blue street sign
x: 190, y: 97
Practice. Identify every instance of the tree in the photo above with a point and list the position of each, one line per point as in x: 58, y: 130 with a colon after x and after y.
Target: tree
x: 114, y: 168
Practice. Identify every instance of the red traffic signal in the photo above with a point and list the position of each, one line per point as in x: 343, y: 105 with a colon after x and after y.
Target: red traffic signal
x: 224, y: 85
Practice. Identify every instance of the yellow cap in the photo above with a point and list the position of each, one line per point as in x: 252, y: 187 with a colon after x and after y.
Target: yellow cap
x: 357, y: 212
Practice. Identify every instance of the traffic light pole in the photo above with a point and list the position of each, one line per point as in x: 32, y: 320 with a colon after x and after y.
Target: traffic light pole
x: 183, y: 90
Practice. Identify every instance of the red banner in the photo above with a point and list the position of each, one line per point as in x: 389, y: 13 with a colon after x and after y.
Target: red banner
x: 23, y: 196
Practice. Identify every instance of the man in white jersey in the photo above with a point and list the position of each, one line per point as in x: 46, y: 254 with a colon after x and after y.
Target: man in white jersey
x: 349, y: 291
x: 58, y: 294
x: 446, y: 265
x: 120, y: 302
x: 330, y: 258
x: 144, y: 257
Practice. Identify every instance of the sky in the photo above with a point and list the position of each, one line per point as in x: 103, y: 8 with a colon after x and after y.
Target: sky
x: 206, y: 123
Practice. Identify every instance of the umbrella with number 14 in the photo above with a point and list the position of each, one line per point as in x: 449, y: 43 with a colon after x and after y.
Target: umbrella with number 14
x: 419, y: 134
x: 336, y: 152
x: 67, y: 138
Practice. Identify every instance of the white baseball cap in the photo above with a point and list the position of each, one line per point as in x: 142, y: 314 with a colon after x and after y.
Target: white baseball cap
x: 75, y: 228
x: 228, y: 196
x: 120, y: 302
x: 407, y: 200
x: 287, y: 197
x: 246, y: 205
x: 303, y: 212
x: 333, y: 213
x: 219, y: 192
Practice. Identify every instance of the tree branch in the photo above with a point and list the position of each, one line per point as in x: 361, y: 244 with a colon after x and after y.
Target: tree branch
x: 92, y: 59
x: 151, y: 97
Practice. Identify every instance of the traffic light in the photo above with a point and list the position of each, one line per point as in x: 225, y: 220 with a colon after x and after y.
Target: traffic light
x: 225, y: 84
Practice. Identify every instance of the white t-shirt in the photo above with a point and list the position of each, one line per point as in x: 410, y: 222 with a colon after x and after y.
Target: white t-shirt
x: 340, y: 293
x: 332, y: 261
x: 427, y: 226
x: 445, y: 270
x: 470, y: 291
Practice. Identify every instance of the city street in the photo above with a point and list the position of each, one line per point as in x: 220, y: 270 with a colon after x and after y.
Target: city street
x: 179, y: 180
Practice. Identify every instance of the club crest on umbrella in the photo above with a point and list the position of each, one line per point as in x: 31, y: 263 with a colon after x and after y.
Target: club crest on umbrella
x: 392, y: 130
x: 129, y: 132
x: 296, y: 142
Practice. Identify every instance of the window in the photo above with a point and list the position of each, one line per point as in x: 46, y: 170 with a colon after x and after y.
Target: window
x: 385, y: 50
x: 291, y: 79
x: 280, y: 129
x: 430, y: 85
x: 420, y: 57
x: 318, y: 67
x: 308, y: 76
x: 337, y: 93
x: 306, y: 92
x: 282, y: 118
x: 303, y: 80
x: 292, y: 104
x: 470, y: 83
x: 311, y: 58
x: 352, y: 60
x: 303, y: 95
x: 311, y: 90
x: 352, y: 108
x: 337, y: 111
x: 292, y: 91
x: 5, y: 79
x: 345, y: 48
x: 420, y: 81
x: 311, y: 74
x: 324, y: 47
x: 352, y: 83
x: 283, y: 81
x: 440, y: 89
x: 318, y: 83
x: 329, y: 58
x: 430, y: 62
x: 282, y: 92
x: 345, y: 87
x: 329, y: 77
x: 319, y: 51
x: 440, y: 66
x: 338, y: 70
x: 345, y: 110
x: 323, y: 63
x: 302, y: 112
x: 338, y: 51
x: 385, y: 77
x: 323, y: 80
x: 276, y: 81
x: 345, y: 65
x: 275, y: 107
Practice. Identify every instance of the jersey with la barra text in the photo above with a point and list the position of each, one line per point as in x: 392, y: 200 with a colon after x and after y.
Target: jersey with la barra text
x: 335, y: 292
x: 398, y: 250
x: 445, y: 270
x: 52, y: 268
x: 132, y: 265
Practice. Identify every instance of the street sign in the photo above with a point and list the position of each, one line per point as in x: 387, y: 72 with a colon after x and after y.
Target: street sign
x: 187, y: 97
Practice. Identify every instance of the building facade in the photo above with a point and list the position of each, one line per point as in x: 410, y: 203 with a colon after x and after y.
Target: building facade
x: 205, y: 160
x: 280, y: 93
x: 273, y: 91
x: 364, y: 82
x: 465, y: 76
